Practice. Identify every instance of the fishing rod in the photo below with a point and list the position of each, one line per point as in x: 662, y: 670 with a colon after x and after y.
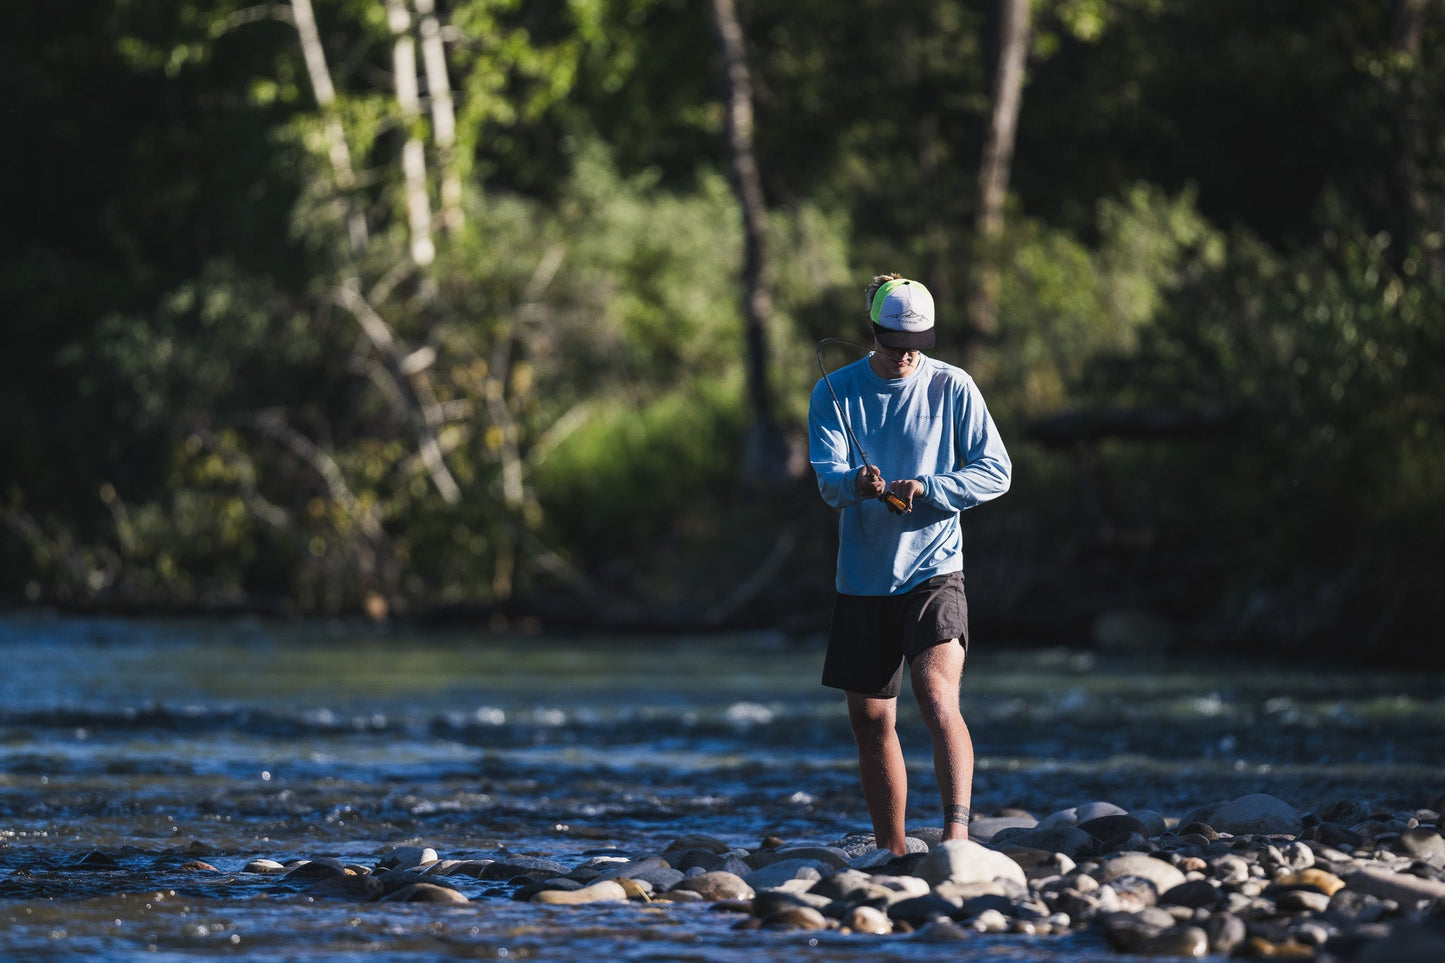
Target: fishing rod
x: 895, y: 504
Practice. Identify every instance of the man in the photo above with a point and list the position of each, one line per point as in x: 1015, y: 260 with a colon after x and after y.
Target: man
x: 900, y: 569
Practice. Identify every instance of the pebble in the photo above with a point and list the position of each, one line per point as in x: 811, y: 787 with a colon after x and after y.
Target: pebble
x: 1250, y: 877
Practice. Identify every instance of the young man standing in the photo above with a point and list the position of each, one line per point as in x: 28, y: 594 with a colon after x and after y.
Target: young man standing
x: 900, y: 569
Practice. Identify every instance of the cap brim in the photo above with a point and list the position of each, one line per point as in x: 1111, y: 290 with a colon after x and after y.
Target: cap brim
x: 903, y: 340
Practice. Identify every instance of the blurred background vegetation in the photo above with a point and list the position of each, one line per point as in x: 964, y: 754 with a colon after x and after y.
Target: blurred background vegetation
x: 506, y: 310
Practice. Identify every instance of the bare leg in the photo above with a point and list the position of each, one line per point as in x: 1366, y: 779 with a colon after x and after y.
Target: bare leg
x: 935, y: 675
x: 880, y: 763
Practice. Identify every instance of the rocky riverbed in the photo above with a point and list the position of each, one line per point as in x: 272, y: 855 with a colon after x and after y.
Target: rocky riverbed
x: 1251, y: 877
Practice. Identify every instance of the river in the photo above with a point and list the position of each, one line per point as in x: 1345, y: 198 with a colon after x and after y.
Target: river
x: 162, y: 742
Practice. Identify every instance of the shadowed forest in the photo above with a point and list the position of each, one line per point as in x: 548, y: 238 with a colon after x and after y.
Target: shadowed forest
x: 507, y: 311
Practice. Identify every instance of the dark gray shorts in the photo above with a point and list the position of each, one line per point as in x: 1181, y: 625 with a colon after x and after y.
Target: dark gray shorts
x: 873, y: 635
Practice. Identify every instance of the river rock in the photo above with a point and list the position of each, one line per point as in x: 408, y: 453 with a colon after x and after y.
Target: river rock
x: 465, y: 867
x: 795, y: 918
x: 985, y: 828
x: 312, y: 869
x: 846, y: 885
x: 395, y: 880
x: 96, y: 860
x: 407, y: 857
x: 1163, y: 876
x: 1039, y: 863
x: 603, y: 891
x: 1075, y: 815
x: 1257, y: 814
x: 1226, y: 933
x: 684, y: 844
x: 267, y: 867
x: 356, y: 889
x: 661, y: 879
x: 824, y: 857
x: 714, y: 886
x: 1423, y: 844
x: 425, y: 893
x: 1113, y: 826
x: 869, y: 920
x: 527, y: 890
x: 1312, y: 878
x: 1185, y: 941
x: 1068, y: 840
x: 1193, y: 893
x: 1302, y: 901
x: 775, y: 874
x: 918, y: 910
x: 1400, y: 887
x: 965, y: 861
x: 528, y: 867
x: 769, y: 901
x: 1155, y: 825
x: 1127, y: 931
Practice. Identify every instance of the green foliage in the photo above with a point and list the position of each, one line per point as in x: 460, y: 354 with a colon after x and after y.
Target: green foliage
x: 1063, y: 303
x: 1218, y: 205
x: 1315, y: 504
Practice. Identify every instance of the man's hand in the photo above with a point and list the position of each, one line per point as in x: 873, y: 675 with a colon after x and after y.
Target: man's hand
x: 870, y: 483
x: 906, y: 489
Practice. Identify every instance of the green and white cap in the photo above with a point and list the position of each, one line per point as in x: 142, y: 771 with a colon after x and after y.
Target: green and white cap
x: 903, y: 315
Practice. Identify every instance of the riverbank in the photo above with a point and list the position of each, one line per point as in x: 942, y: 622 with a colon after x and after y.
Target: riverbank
x: 1251, y: 877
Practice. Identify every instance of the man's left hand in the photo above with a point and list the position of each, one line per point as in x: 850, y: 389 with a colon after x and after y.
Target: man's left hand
x: 906, y: 489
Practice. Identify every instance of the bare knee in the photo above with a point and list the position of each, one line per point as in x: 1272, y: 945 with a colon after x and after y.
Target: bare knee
x: 871, y: 719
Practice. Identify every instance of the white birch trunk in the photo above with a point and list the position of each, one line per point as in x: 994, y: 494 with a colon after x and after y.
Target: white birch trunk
x: 315, y: 55
x: 443, y: 113
x: 413, y: 153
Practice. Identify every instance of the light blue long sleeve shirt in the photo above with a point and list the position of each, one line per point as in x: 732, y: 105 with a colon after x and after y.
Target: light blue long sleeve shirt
x: 932, y: 426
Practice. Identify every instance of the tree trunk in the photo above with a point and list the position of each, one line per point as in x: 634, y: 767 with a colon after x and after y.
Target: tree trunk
x: 443, y: 114
x: 998, y: 149
x: 413, y: 152
x: 315, y: 55
x: 1412, y: 207
x: 766, y: 458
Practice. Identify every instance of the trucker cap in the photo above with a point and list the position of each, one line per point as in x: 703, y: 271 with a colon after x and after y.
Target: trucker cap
x: 903, y: 315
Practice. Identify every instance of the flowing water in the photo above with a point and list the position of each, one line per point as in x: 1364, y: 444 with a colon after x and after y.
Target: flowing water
x: 159, y: 743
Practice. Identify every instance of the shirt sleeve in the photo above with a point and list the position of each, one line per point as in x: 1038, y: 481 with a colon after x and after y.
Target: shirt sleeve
x: 828, y: 451
x: 985, y: 468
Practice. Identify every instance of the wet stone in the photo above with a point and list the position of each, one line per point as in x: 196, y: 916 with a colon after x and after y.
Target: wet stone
x: 1185, y: 941
x: 407, y: 857
x: 868, y: 919
x: 322, y: 868
x: 96, y: 860
x: 918, y: 910
x: 425, y: 893
x: 264, y: 866
x: 714, y: 886
x: 1113, y: 826
x: 1193, y: 893
x: 604, y: 891
x: 357, y: 889
x: 795, y: 918
x: 530, y: 867
x: 1302, y: 901
x: 1226, y: 933
x: 1423, y: 844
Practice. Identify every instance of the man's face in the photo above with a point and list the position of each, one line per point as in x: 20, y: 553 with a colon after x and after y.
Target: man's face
x: 894, y: 362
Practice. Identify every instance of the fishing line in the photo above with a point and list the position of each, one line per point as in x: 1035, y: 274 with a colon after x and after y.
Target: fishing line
x: 894, y: 503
